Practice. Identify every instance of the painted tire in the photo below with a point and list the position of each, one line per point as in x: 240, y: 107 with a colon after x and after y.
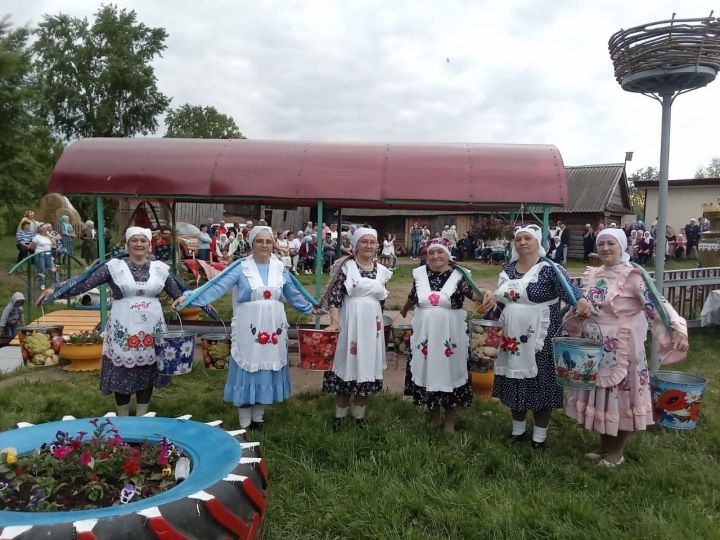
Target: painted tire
x: 223, y: 497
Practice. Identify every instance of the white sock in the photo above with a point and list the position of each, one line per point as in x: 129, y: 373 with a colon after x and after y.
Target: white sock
x: 245, y: 416
x: 539, y: 434
x: 358, y: 411
x: 518, y: 427
x: 257, y: 413
x: 123, y: 410
x: 341, y: 412
x: 141, y: 409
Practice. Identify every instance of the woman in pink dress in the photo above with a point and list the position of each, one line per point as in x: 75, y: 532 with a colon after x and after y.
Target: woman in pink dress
x: 621, y: 402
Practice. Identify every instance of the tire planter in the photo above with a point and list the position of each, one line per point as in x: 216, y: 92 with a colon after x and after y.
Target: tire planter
x: 223, y: 497
x: 82, y: 357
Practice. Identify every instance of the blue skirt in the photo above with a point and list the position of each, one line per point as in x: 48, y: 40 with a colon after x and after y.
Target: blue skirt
x: 259, y: 387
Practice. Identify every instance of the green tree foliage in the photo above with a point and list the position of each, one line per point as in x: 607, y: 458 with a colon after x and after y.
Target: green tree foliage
x: 637, y: 196
x: 96, y: 79
x: 28, y: 150
x: 193, y: 121
x: 711, y: 171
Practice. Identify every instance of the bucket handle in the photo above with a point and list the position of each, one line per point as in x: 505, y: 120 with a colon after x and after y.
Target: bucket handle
x: 324, y: 312
x: 584, y: 322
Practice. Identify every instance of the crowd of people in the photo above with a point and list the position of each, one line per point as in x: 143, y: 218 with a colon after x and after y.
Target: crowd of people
x: 526, y: 301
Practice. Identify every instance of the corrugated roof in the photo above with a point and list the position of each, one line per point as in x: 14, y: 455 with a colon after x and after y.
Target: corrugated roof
x: 590, y: 188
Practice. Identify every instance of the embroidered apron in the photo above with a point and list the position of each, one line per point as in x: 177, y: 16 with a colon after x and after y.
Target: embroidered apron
x: 259, y: 326
x: 526, y: 325
x: 136, y: 316
x: 439, y: 340
x: 360, y: 353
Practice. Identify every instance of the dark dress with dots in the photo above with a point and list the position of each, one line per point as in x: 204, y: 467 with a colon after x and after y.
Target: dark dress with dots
x: 539, y: 393
x: 120, y: 379
x: 332, y: 384
x: 462, y: 395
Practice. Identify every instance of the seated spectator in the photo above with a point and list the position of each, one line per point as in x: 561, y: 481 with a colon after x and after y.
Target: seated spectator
x: 645, y: 248
x: 23, y: 239
x: 680, y: 246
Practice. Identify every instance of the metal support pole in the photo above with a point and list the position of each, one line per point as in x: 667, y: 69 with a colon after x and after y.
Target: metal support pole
x: 101, y: 255
x: 173, y: 239
x: 338, y: 242
x: 319, y: 256
x: 546, y: 227
x: 30, y: 303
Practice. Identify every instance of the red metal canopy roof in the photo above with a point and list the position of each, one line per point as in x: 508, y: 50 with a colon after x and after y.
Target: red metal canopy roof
x: 461, y: 176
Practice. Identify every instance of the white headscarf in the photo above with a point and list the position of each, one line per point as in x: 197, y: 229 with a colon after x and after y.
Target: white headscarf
x: 619, y: 236
x: 138, y: 231
x: 535, y: 231
x: 359, y: 233
x: 9, y: 307
x: 257, y: 230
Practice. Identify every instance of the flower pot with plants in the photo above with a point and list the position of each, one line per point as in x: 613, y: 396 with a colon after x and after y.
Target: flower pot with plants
x: 83, y: 350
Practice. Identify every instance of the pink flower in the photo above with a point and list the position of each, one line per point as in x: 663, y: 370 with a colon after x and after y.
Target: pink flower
x: 61, y: 452
x: 434, y: 299
x: 86, y: 460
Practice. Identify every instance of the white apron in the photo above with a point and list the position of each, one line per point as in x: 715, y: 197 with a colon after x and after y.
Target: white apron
x: 526, y: 325
x: 360, y: 353
x: 439, y: 340
x: 259, y: 326
x: 136, y: 316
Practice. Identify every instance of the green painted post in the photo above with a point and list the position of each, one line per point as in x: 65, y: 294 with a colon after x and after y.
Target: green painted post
x: 173, y: 237
x: 101, y: 255
x: 319, y: 259
x: 30, y: 303
x: 546, y: 227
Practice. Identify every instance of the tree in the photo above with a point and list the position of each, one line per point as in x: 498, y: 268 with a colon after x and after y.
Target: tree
x: 96, y: 79
x: 28, y: 150
x: 711, y: 171
x: 637, y: 196
x: 190, y: 121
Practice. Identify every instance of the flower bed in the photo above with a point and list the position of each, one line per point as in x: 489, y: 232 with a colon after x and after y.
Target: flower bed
x: 223, y: 495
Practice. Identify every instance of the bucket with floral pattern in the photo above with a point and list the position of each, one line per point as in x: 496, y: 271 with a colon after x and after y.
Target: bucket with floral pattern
x: 317, y: 348
x: 175, y: 352
x: 676, y: 397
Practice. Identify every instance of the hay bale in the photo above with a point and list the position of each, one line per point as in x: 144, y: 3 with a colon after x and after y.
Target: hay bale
x: 52, y: 206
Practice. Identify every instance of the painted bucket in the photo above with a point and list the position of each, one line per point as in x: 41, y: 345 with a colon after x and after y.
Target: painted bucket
x: 676, y: 398
x: 485, y: 339
x: 317, y: 348
x: 32, y: 355
x: 401, y: 334
x: 577, y: 360
x: 216, y: 350
x: 175, y: 352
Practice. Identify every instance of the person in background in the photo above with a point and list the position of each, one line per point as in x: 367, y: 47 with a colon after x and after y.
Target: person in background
x: 12, y: 316
x: 692, y: 233
x: 588, y: 241
x: 646, y: 247
x: 670, y: 239
x: 334, y: 232
x: 704, y: 224
x: 346, y: 246
x: 204, y: 243
x: 415, y: 235
x: 564, y: 243
x: 88, y: 237
x: 43, y: 243
x: 680, y: 246
x: 424, y: 238
x: 210, y: 230
x: 282, y: 249
x: 23, y: 239
x: 294, y: 249
x: 553, y: 233
x: 388, y: 251
x: 221, y: 229
x: 632, y: 245
x: 600, y: 227
x: 29, y: 216
x: 328, y: 251
x: 309, y: 228
x: 246, y: 229
x: 67, y: 236
x: 307, y: 254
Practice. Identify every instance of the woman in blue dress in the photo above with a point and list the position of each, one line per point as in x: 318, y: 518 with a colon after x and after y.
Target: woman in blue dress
x: 258, y: 374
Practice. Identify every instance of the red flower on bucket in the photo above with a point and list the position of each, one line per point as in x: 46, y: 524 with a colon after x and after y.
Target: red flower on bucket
x: 694, y: 411
x: 134, y: 342
x: 267, y: 295
x: 263, y: 338
x: 672, y: 400
x: 148, y: 341
x: 434, y: 299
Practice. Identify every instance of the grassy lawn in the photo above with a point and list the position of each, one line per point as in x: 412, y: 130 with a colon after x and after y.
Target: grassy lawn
x: 401, y: 479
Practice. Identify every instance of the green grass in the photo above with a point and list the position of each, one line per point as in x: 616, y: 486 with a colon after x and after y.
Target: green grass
x: 402, y: 479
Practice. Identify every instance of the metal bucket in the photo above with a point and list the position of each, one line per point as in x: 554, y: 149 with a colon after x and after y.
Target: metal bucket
x: 216, y: 350
x: 485, y: 339
x: 54, y: 339
x: 401, y: 334
x: 676, y: 397
x: 317, y: 348
x: 175, y: 352
x: 577, y: 360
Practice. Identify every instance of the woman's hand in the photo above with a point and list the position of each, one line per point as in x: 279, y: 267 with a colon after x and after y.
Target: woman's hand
x: 583, y: 309
x: 332, y: 327
x: 44, y: 295
x: 316, y: 310
x: 679, y: 341
x: 488, y: 303
x: 179, y: 300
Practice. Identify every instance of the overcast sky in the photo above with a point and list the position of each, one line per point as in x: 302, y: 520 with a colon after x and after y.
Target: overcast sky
x: 445, y: 70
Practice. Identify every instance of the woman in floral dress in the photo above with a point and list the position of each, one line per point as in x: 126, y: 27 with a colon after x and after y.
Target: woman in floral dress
x: 530, y: 291
x: 129, y: 359
x: 439, y: 346
x: 621, y: 402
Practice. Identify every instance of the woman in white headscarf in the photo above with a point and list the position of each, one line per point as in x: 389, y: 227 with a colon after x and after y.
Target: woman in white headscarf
x: 12, y: 316
x: 258, y: 374
x: 128, y: 349
x: 645, y: 249
x: 529, y: 291
x: 620, y: 402
x: 355, y: 297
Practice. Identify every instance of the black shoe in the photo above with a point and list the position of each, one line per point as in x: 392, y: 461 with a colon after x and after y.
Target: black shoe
x: 517, y: 438
x: 336, y: 424
x: 537, y: 445
x: 257, y: 426
x: 361, y: 423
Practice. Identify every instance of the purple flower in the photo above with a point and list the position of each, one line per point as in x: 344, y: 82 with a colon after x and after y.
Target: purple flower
x: 94, y: 421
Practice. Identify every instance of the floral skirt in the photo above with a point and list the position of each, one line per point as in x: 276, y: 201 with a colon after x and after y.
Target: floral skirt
x: 124, y: 380
x: 459, y: 397
x: 332, y: 384
x: 539, y: 393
